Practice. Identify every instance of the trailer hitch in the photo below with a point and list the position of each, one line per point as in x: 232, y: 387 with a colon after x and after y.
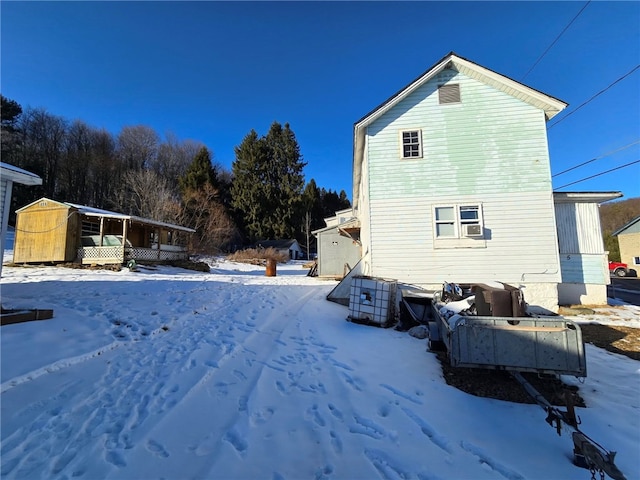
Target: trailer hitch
x: 587, y: 453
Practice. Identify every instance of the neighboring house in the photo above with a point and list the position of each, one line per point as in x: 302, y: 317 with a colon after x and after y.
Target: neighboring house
x: 629, y: 243
x: 338, y: 253
x: 452, y: 182
x: 285, y: 247
x: 583, y: 259
x: 8, y: 176
x: 51, y: 231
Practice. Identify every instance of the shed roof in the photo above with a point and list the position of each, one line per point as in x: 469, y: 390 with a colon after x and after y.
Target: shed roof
x: 628, y: 226
x: 97, y: 212
x: 452, y: 61
x: 18, y: 175
x: 585, y: 197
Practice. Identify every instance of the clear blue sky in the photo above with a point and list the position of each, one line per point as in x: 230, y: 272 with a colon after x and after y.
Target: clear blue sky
x: 213, y: 71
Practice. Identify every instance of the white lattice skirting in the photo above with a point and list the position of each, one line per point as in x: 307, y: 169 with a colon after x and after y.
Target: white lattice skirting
x: 110, y: 255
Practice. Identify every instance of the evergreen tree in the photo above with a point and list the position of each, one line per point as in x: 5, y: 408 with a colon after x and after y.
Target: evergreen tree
x: 312, y: 202
x: 199, y: 173
x: 203, y: 208
x: 268, y: 182
x: 332, y: 202
x: 9, y: 134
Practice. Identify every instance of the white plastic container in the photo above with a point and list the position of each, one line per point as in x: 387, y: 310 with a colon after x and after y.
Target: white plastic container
x: 372, y: 301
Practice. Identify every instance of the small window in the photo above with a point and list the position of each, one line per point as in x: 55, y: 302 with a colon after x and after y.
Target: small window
x: 449, y: 93
x: 411, y: 144
x: 458, y: 221
x: 636, y: 260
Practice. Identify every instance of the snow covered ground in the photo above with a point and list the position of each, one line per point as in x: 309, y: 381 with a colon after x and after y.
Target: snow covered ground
x: 175, y: 374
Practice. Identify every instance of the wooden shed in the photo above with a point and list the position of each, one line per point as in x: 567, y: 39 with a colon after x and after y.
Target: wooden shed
x: 51, y: 231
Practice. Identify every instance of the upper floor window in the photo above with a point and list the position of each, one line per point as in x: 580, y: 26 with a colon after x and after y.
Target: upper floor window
x: 449, y: 93
x: 411, y: 143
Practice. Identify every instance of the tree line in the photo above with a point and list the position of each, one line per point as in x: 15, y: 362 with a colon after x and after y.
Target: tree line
x: 263, y: 197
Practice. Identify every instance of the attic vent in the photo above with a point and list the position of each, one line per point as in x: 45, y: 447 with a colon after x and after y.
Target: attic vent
x: 449, y: 93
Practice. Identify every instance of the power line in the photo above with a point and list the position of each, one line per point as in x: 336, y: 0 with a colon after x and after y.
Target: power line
x: 594, y: 97
x: 554, y: 42
x: 597, y: 158
x: 598, y: 174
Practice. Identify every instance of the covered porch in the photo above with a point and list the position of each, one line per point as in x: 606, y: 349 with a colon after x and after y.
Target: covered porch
x: 113, y: 238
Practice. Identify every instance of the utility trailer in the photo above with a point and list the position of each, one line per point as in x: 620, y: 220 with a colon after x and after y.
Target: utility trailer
x: 490, y: 329
x: 542, y: 344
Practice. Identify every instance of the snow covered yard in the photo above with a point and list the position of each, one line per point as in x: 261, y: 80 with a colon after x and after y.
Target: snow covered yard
x: 176, y: 374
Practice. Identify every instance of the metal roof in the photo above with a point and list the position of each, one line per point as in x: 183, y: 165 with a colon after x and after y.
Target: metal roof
x: 97, y: 212
x: 18, y: 175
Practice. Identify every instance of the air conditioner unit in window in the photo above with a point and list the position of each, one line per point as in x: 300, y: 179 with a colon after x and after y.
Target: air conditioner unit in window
x: 472, y: 230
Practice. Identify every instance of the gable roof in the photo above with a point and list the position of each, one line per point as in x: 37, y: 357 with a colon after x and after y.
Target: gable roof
x: 551, y: 106
x: 626, y: 227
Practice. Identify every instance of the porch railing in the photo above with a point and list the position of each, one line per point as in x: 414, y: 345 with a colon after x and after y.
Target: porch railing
x: 111, y: 255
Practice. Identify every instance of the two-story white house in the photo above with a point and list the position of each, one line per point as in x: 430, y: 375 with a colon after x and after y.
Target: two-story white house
x: 452, y: 182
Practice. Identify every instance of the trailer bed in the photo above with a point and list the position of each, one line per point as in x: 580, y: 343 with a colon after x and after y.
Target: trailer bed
x: 550, y: 345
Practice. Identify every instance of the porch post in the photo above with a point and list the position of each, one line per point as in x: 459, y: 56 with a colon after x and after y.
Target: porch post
x: 159, y: 233
x: 101, y: 230
x: 125, y: 223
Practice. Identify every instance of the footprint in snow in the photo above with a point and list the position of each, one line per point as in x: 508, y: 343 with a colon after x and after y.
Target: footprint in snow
x: 157, y: 449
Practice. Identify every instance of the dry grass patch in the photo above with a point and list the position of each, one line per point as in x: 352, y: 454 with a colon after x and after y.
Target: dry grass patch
x: 256, y: 256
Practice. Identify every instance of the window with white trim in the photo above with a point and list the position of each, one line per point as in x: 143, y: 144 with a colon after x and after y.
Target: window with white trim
x: 458, y: 221
x: 411, y: 143
x: 636, y: 260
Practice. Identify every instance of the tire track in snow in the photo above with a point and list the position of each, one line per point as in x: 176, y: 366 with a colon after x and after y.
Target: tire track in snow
x: 227, y: 387
x: 492, y: 463
x: 119, y: 403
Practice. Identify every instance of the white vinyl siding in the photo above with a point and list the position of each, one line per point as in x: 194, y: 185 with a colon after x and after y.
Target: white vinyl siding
x: 490, y: 142
x: 490, y: 150
x: 403, y: 244
x: 3, y: 198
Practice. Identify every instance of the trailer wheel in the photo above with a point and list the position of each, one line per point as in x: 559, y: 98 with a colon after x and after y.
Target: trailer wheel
x: 435, y: 346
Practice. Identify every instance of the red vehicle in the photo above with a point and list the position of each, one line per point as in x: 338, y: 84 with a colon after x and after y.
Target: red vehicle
x: 618, y: 269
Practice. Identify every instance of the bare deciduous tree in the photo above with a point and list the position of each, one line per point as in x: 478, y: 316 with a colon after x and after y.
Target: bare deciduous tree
x: 205, y: 213
x: 149, y: 196
x: 174, y: 157
x: 138, y: 146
